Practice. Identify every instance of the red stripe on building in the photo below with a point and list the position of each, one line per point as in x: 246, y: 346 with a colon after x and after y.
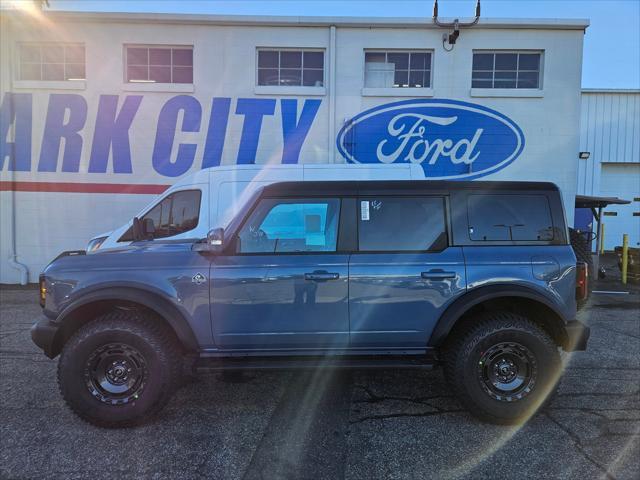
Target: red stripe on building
x: 69, y: 187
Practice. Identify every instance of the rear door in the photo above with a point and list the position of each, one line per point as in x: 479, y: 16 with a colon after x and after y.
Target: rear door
x: 404, y: 273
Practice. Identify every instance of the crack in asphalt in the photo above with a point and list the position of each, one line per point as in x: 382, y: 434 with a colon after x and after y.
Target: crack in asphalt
x: 580, y: 448
x: 634, y: 369
x: 375, y: 398
x: 600, y: 394
x: 399, y: 415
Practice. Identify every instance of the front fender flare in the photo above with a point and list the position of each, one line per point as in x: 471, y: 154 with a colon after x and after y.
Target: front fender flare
x: 153, y: 301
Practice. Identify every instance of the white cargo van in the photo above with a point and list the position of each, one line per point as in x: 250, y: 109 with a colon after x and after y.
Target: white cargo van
x: 210, y: 198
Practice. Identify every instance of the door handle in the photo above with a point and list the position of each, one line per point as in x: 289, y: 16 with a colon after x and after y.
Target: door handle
x: 321, y: 276
x: 437, y: 275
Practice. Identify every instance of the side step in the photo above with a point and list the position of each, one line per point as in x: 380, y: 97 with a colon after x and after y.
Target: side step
x: 206, y: 365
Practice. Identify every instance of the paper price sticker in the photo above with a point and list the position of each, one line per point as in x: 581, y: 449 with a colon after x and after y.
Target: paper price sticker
x: 364, y: 210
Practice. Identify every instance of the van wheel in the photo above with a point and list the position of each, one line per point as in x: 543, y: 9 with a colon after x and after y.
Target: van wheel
x: 502, y: 367
x: 120, y: 369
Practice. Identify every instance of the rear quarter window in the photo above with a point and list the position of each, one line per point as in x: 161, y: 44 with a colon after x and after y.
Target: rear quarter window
x: 509, y: 217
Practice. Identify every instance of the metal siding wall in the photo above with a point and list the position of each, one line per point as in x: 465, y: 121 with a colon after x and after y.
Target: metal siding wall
x: 610, y: 131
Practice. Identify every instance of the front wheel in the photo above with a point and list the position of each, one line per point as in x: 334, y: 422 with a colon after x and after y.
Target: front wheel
x: 119, y: 369
x: 502, y: 367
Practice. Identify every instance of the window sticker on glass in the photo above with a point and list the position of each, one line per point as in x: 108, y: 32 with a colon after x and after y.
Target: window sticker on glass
x: 364, y: 210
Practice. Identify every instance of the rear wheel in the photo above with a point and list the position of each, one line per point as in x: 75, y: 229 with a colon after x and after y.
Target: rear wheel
x: 119, y: 369
x: 502, y: 367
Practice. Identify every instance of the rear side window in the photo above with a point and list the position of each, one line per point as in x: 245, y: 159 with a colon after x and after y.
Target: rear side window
x: 396, y: 224
x: 175, y: 214
x: 509, y: 218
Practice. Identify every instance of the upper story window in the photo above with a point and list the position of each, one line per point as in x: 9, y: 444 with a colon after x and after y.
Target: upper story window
x: 51, y: 61
x: 159, y: 64
x: 506, y: 69
x: 291, y: 67
x: 397, y: 69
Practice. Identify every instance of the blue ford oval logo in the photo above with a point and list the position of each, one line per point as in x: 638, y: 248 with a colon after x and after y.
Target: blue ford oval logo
x: 450, y: 139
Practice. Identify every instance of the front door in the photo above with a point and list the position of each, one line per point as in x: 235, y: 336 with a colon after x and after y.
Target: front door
x: 404, y: 274
x: 285, y: 285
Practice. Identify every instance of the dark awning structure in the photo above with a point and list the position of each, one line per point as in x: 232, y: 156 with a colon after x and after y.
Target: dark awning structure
x: 585, y: 201
x: 596, y: 204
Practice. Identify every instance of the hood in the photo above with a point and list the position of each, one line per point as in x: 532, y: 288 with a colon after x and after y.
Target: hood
x: 133, y: 255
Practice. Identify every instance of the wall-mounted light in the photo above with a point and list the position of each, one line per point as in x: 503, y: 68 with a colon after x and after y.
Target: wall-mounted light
x: 584, y: 155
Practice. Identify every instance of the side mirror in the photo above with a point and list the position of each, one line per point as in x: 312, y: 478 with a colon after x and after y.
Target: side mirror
x: 213, y: 242
x: 215, y: 237
x: 136, y: 228
x: 148, y: 228
x: 143, y: 229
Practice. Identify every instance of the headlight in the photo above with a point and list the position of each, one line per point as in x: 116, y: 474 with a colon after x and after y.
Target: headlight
x: 95, y: 243
x: 43, y: 290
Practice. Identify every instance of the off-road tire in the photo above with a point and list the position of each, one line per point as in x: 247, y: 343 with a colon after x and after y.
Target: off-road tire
x: 582, y: 252
x: 145, y: 335
x: 463, y: 371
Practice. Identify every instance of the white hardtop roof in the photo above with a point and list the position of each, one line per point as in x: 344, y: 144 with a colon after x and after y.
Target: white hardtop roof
x: 297, y: 21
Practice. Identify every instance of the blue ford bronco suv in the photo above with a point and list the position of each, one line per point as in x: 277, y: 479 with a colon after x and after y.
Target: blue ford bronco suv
x: 479, y: 277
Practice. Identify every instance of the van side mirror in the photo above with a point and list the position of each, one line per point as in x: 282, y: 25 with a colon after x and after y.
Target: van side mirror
x: 143, y: 229
x: 148, y: 228
x: 136, y: 230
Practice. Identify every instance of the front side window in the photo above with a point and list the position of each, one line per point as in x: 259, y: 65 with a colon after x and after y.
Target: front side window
x: 396, y: 224
x: 397, y: 69
x: 287, y: 226
x: 51, y: 61
x: 159, y: 64
x: 506, y: 69
x: 291, y: 67
x: 175, y: 214
x: 509, y: 218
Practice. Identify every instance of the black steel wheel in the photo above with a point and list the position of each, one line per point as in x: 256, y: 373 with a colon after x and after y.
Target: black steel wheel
x: 119, y: 369
x: 502, y: 367
x: 116, y: 373
x: 508, y: 371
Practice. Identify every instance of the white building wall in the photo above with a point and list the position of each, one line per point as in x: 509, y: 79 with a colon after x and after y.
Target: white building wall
x: 225, y: 66
x: 610, y: 132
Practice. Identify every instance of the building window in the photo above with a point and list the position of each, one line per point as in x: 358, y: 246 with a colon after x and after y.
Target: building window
x: 291, y: 68
x: 159, y: 64
x: 397, y: 69
x: 51, y: 61
x: 506, y: 70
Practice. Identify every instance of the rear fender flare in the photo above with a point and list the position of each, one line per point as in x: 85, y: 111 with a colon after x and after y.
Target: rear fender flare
x: 462, y: 305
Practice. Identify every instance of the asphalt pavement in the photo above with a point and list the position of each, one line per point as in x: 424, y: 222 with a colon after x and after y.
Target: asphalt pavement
x: 330, y: 424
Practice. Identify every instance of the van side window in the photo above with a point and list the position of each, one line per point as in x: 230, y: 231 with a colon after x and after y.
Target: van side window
x: 296, y: 225
x: 387, y: 224
x: 175, y: 214
x: 509, y: 217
